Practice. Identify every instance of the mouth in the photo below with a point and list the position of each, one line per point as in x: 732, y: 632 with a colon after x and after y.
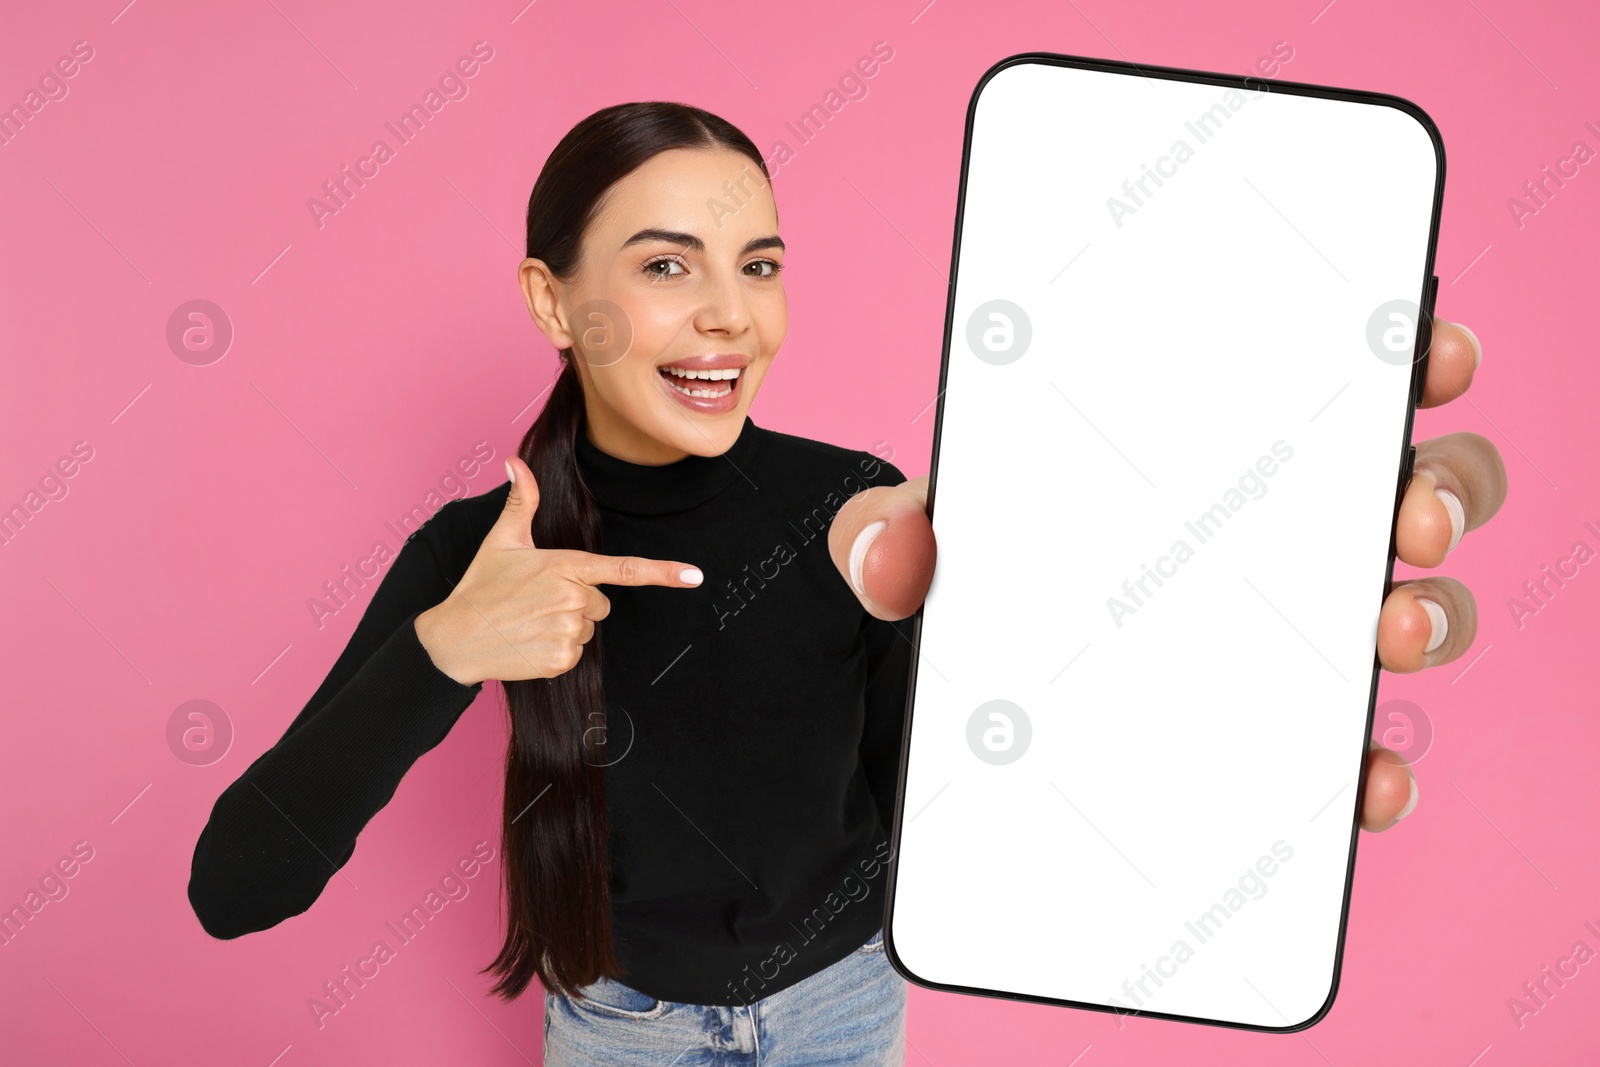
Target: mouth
x: 707, y: 384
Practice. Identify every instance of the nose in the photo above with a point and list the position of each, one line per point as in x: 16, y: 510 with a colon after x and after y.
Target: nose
x: 724, y: 309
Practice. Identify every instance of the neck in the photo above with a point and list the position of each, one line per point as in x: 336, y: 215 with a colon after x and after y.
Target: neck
x: 619, y: 485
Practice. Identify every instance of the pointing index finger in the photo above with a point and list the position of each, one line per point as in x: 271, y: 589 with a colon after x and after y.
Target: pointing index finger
x: 594, y: 569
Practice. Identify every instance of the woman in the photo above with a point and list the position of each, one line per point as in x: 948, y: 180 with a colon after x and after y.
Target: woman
x: 693, y: 838
x: 704, y: 820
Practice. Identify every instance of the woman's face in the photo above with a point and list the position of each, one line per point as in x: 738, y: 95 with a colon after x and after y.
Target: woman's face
x: 677, y: 309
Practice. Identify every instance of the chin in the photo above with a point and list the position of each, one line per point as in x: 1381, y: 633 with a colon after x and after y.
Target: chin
x: 716, y: 434
x: 693, y: 429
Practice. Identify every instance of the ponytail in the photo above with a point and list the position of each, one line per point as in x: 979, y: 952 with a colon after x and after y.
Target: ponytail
x: 554, y: 832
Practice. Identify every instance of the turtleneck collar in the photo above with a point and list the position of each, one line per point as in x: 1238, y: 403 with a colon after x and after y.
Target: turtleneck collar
x: 639, y: 489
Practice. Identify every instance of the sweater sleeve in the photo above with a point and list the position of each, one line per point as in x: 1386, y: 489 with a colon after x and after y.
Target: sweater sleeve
x: 889, y: 654
x: 289, y: 823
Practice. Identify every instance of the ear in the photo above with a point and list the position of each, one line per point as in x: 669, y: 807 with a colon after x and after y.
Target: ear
x: 542, y: 291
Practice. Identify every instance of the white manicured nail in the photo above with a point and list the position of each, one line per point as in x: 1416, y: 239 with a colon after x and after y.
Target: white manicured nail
x: 1410, y: 804
x: 1458, y: 516
x: 1477, y: 349
x: 1439, y: 622
x: 858, y: 552
x: 511, y: 475
x: 691, y: 575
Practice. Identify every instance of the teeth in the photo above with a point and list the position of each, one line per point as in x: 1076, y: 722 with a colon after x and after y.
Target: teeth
x: 709, y: 394
x: 729, y: 375
x: 707, y: 375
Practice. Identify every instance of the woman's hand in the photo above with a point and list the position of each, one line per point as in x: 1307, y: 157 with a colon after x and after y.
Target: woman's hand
x: 525, y: 612
x: 1458, y: 483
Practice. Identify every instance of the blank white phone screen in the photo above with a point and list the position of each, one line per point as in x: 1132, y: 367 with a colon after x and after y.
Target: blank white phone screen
x: 1176, y: 406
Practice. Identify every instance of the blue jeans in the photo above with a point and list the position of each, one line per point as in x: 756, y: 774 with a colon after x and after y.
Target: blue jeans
x: 850, y: 1014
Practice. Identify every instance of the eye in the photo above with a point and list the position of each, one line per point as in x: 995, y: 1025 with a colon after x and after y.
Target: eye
x: 670, y: 261
x: 774, y: 264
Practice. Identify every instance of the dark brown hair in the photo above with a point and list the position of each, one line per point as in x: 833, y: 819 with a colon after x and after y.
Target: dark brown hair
x: 554, y: 834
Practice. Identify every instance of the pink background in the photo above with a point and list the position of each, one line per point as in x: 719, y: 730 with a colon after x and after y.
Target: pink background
x: 372, y: 354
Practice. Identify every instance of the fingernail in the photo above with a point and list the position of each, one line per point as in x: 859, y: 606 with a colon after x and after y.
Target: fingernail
x: 691, y: 575
x: 1458, y: 516
x: 1477, y: 349
x: 1410, y: 804
x: 1439, y: 622
x: 511, y: 475
x: 858, y: 552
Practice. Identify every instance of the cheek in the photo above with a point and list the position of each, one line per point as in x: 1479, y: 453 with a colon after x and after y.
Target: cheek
x: 659, y: 328
x: 656, y: 317
x: 755, y: 377
x: 627, y: 385
x: 775, y: 322
x: 772, y: 340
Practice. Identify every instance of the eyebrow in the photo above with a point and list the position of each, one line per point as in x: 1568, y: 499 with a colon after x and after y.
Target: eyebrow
x: 694, y: 244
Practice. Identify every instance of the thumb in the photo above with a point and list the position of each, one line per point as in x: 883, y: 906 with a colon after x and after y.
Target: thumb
x: 515, y: 525
x: 883, y: 544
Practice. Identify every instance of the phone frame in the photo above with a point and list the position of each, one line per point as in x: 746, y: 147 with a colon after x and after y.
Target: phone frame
x: 1427, y: 294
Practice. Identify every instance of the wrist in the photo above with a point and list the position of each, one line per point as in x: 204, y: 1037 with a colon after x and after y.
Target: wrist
x: 435, y: 633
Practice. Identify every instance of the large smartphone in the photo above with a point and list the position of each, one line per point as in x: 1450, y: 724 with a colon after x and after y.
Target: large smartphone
x: 1187, y: 327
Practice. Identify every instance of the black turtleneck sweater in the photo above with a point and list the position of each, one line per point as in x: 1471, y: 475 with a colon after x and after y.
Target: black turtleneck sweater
x: 765, y: 709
